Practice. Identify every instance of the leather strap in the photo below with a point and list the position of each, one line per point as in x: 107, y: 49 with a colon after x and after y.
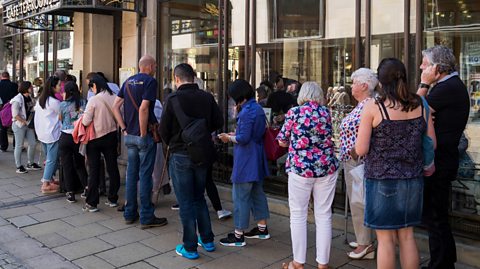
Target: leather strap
x: 130, y: 95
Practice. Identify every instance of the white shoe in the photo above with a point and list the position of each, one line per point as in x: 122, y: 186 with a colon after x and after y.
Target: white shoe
x: 353, y: 244
x: 367, y: 254
x: 223, y: 214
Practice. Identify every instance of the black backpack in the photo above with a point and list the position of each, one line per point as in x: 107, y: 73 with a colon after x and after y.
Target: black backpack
x: 196, y: 135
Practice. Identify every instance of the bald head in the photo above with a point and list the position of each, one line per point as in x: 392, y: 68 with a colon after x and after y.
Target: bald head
x: 147, y: 65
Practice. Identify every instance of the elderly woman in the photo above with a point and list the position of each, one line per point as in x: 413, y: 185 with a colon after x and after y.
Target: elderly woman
x: 364, y: 83
x: 312, y: 170
x: 249, y: 166
x: 390, y: 135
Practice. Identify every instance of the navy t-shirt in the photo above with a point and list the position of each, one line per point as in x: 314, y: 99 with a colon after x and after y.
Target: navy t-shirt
x: 142, y: 87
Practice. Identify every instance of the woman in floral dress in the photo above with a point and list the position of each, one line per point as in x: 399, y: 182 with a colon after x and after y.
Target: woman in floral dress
x: 312, y: 169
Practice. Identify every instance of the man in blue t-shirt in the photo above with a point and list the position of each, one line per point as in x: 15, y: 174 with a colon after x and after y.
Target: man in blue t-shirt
x: 138, y: 95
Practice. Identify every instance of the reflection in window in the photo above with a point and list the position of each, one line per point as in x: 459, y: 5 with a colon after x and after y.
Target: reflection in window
x: 292, y: 19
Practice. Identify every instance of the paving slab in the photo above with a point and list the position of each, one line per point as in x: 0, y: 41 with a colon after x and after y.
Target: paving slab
x: 124, y: 237
x: 139, y: 265
x: 52, y: 240
x: 234, y: 261
x: 127, y: 254
x: 84, y: 232
x: 49, y: 261
x: 92, y: 262
x: 171, y: 260
x: 25, y: 248
x: 19, y: 211
x: 47, y: 228
x: 23, y: 221
x: 164, y: 242
x: 268, y: 251
x: 82, y: 248
x: 84, y: 219
x: 9, y: 233
x: 53, y: 214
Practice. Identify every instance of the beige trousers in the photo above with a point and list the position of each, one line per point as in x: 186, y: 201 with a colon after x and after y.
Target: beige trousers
x: 362, y: 233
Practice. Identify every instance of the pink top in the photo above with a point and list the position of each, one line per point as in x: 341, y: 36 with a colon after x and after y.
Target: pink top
x: 101, y: 116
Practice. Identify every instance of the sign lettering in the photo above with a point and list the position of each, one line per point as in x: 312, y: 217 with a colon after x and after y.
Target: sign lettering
x: 24, y: 8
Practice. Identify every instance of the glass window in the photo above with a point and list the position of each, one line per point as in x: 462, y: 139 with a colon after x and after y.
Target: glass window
x: 292, y: 19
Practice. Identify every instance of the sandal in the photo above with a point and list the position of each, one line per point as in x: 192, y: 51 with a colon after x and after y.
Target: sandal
x: 290, y: 265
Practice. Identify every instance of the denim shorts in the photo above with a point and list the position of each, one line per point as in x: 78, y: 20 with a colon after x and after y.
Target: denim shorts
x: 392, y: 204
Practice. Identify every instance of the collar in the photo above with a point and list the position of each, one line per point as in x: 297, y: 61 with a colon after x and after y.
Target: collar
x: 250, y: 101
x: 449, y: 76
x: 188, y: 86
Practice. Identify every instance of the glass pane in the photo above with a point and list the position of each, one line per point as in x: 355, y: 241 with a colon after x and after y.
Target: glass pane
x: 291, y: 19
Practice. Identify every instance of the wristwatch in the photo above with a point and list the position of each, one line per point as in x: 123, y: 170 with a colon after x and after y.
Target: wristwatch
x: 424, y: 85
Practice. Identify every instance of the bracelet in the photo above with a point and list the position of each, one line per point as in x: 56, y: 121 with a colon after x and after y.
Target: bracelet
x: 424, y: 85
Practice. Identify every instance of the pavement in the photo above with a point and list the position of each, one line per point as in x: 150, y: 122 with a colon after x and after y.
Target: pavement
x: 39, y: 231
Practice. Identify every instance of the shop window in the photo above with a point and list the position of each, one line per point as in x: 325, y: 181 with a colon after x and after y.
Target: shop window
x: 296, y: 19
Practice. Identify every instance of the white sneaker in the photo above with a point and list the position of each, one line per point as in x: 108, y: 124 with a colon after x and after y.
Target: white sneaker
x: 223, y: 214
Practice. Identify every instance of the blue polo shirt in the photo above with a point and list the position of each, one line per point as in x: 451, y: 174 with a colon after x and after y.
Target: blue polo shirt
x: 141, y: 87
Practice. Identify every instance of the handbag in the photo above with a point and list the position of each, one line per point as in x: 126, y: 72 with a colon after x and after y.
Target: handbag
x: 427, y: 145
x: 272, y: 149
x: 153, y: 128
x: 358, y: 193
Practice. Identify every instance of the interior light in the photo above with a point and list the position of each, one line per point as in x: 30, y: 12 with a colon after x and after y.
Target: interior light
x: 438, y: 13
x: 465, y: 11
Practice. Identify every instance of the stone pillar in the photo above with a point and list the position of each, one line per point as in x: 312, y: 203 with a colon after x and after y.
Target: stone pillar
x: 93, y: 44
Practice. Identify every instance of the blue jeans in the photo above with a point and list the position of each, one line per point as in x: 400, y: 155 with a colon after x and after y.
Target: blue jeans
x: 249, y: 197
x: 189, y: 184
x: 141, y: 159
x: 22, y: 133
x: 51, y: 154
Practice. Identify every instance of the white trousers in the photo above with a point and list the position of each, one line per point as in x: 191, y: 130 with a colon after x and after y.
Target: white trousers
x: 300, y: 190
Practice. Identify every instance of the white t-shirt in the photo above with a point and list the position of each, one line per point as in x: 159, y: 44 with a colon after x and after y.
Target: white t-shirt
x: 47, y: 124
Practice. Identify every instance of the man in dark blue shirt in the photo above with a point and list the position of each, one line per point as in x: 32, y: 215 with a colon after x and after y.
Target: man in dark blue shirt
x: 450, y: 105
x: 138, y: 96
x: 8, y: 90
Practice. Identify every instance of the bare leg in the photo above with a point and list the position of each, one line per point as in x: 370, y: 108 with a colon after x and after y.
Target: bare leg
x: 408, y: 249
x: 386, y: 249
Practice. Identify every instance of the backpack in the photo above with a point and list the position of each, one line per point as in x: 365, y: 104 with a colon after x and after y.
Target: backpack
x: 6, y: 115
x: 196, y: 135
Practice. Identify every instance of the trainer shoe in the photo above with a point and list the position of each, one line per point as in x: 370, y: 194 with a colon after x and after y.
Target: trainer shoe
x: 255, y: 233
x: 111, y: 204
x: 175, y: 207
x: 224, y: 214
x: 33, y: 167
x: 84, y: 194
x: 181, y: 251
x: 155, y: 222
x: 21, y: 170
x: 89, y: 208
x: 209, y: 247
x: 232, y: 241
x: 70, y: 197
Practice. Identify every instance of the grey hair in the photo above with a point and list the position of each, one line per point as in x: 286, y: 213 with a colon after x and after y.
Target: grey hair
x: 442, y: 56
x: 310, y: 91
x: 367, y: 76
x: 199, y: 82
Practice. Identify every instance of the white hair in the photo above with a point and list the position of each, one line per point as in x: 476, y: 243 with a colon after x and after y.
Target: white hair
x: 199, y: 82
x: 310, y: 91
x: 367, y: 76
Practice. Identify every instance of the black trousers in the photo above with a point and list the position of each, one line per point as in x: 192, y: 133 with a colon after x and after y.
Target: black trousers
x: 3, y: 137
x: 106, y: 145
x: 436, y: 204
x: 212, y: 191
x: 73, y: 163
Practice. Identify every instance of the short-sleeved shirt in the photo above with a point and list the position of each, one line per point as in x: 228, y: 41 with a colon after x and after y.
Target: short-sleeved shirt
x: 308, y: 129
x: 70, y: 114
x: 141, y: 87
x: 449, y: 98
x: 349, y: 131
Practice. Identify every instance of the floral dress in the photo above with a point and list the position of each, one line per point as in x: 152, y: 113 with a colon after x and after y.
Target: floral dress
x: 308, y: 130
x: 349, y: 130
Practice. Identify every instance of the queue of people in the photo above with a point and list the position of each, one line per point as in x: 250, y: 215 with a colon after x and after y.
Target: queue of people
x: 383, y: 144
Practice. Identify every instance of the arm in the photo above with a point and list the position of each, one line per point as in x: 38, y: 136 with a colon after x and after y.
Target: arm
x: 217, y: 118
x: 118, y: 115
x: 89, y: 113
x: 166, y: 122
x: 143, y: 117
x: 362, y: 145
x: 244, y: 131
x: 16, y: 113
x: 283, y: 136
x: 431, y: 130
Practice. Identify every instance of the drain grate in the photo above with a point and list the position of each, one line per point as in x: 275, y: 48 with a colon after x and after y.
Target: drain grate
x: 32, y: 201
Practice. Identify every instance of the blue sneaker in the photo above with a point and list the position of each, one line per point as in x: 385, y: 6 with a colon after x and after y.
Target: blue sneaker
x: 209, y: 247
x: 181, y: 251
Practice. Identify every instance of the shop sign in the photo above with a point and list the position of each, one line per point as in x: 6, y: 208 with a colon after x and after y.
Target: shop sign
x: 473, y: 59
x: 17, y: 10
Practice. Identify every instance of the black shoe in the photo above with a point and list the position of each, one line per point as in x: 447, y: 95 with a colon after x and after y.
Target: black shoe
x: 255, y: 233
x: 71, y: 197
x: 21, y: 170
x: 33, y: 167
x: 155, y: 222
x: 89, y: 208
x: 175, y: 207
x: 232, y: 241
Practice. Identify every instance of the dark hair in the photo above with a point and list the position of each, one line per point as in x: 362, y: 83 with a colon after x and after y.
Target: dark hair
x: 90, y: 75
x: 48, y: 90
x: 100, y: 83
x: 61, y: 74
x: 240, y: 90
x: 394, y: 86
x: 24, y: 86
x: 5, y: 74
x: 103, y: 76
x: 71, y: 78
x: 184, y: 72
x: 72, y: 94
x: 262, y: 91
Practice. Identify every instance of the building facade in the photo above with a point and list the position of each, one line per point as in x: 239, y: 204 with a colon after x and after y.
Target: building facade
x: 320, y: 40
